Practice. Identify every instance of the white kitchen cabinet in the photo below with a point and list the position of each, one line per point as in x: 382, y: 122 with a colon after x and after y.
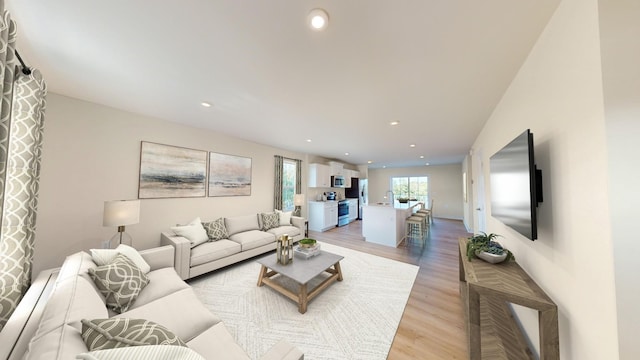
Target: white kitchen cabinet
x: 319, y: 175
x: 323, y: 215
x: 336, y: 168
x: 353, y: 209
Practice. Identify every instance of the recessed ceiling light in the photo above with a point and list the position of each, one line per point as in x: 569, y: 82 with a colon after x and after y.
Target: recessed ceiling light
x: 308, y: 140
x: 318, y: 19
x: 347, y: 154
x: 412, y: 145
x: 427, y: 164
x: 421, y: 156
x: 394, y: 123
x: 384, y: 166
x: 205, y: 104
x: 369, y: 162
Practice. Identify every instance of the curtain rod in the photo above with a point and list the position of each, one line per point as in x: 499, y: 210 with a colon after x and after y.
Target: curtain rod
x: 25, y: 68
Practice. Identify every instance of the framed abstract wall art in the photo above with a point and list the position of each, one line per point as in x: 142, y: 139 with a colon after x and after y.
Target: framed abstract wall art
x: 171, y: 172
x: 229, y: 175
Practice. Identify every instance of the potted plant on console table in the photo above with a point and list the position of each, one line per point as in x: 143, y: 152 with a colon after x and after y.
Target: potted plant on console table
x: 486, y: 248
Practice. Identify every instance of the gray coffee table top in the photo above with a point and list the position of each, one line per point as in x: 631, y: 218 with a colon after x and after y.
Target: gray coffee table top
x: 300, y: 270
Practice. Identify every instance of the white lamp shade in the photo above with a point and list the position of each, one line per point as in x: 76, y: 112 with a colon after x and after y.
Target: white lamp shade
x: 298, y: 199
x: 121, y: 212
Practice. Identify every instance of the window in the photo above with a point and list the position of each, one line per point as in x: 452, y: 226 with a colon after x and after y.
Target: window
x: 288, y: 184
x: 412, y: 187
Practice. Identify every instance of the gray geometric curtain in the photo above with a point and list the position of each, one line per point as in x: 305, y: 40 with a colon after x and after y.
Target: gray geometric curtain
x: 277, y: 182
x: 298, y: 176
x: 21, y: 130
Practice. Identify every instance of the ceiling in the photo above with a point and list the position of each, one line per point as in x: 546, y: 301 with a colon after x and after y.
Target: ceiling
x: 438, y: 67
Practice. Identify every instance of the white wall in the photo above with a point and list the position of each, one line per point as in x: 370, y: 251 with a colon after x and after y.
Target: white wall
x: 445, y: 186
x: 558, y: 94
x: 620, y: 48
x: 92, y: 153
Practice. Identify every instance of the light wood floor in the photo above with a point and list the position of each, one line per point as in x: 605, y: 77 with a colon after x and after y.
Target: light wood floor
x: 432, y: 323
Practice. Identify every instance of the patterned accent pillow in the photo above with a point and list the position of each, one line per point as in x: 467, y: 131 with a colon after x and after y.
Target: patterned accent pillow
x: 112, y: 333
x: 270, y: 221
x: 120, y: 282
x: 216, y: 229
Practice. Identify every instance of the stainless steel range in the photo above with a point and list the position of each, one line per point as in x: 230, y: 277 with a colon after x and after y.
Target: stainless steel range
x: 343, y: 212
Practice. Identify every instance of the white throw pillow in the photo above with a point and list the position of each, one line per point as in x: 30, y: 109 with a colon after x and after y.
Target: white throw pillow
x: 285, y: 217
x: 194, y: 232
x: 105, y: 256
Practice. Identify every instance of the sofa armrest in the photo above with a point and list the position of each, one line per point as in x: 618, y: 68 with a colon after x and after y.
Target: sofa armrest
x: 182, y: 257
x: 283, y: 351
x: 160, y: 257
x: 298, y: 222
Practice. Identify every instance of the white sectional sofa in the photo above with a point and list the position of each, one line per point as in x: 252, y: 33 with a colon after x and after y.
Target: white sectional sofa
x: 54, y: 330
x: 247, y: 238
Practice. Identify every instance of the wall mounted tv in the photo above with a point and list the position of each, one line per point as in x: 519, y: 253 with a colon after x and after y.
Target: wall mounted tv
x: 516, y: 186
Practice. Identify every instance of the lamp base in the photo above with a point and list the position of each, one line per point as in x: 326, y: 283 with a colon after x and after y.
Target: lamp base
x: 120, y: 238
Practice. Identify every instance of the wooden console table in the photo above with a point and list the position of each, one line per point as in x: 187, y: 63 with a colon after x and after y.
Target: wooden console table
x: 492, y: 332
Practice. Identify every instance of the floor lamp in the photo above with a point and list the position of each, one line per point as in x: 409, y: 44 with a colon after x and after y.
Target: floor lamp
x: 120, y: 213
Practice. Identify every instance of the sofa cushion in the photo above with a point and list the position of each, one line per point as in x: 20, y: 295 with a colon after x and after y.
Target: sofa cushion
x: 252, y: 239
x: 72, y: 300
x: 194, y: 232
x: 281, y: 230
x: 120, y: 282
x: 143, y: 352
x: 63, y: 343
x: 239, y: 224
x: 162, y: 282
x: 181, y: 311
x: 270, y: 220
x: 223, y: 344
x: 112, y: 333
x: 105, y: 256
x: 285, y: 217
x: 214, y: 250
x: 216, y: 229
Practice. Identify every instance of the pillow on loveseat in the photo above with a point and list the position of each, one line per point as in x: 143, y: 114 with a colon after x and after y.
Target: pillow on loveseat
x: 216, y: 229
x: 99, y: 334
x: 270, y: 221
x: 105, y: 256
x: 193, y: 231
x: 119, y: 282
x: 285, y: 217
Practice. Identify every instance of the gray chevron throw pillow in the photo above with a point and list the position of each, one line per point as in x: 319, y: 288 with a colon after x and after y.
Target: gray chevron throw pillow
x: 270, y: 221
x: 99, y: 334
x: 216, y: 229
x: 120, y: 282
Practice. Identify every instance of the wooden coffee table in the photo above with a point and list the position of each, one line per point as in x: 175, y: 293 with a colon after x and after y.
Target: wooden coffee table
x: 301, y: 271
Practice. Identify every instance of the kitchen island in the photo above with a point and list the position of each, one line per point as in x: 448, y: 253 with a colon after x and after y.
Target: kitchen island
x: 385, y: 224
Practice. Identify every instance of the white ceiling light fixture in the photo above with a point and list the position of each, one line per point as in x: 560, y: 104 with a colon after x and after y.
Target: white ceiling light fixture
x: 308, y: 140
x: 205, y: 104
x: 347, y: 154
x: 318, y: 19
x: 412, y: 145
x: 394, y: 123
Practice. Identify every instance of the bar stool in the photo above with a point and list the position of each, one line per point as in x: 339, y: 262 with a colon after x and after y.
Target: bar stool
x: 426, y: 211
x: 415, y: 225
x: 425, y: 220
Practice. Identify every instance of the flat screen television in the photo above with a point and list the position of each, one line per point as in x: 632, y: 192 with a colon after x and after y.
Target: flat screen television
x: 516, y: 186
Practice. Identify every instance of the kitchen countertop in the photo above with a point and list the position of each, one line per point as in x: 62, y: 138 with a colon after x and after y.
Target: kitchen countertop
x: 397, y: 205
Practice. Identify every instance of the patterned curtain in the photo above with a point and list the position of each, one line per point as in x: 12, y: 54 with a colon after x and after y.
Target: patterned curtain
x: 21, y: 129
x: 277, y: 186
x: 298, y: 176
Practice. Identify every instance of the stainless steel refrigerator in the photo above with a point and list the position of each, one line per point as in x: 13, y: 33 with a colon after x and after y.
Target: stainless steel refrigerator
x: 358, y: 190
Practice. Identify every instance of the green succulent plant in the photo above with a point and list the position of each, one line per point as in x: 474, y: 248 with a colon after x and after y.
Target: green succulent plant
x: 486, y: 242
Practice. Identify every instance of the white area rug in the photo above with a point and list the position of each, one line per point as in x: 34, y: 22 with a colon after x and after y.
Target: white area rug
x: 353, y: 319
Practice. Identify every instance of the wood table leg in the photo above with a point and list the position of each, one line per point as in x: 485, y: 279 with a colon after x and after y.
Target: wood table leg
x: 302, y: 299
x: 263, y: 272
x: 337, y: 267
x: 475, y: 351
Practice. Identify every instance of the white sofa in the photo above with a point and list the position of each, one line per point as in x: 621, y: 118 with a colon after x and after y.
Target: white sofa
x: 246, y: 240
x: 53, y: 331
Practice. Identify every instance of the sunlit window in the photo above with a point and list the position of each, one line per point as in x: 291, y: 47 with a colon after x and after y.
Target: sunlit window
x: 414, y: 188
x: 288, y: 184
